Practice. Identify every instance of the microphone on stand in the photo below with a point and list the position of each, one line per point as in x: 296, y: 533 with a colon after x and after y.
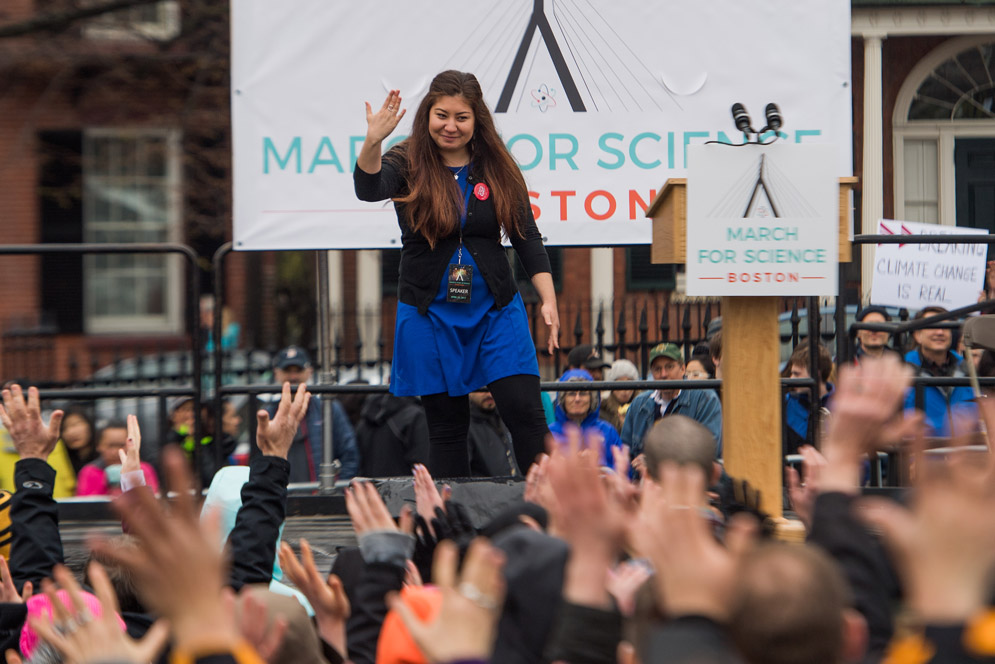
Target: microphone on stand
x: 742, y: 119
x: 774, y: 121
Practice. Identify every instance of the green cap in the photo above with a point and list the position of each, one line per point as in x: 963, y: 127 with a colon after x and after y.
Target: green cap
x: 671, y: 351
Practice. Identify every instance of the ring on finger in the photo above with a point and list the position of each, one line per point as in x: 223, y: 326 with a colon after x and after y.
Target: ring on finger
x: 390, y: 108
x: 475, y: 595
x: 68, y: 626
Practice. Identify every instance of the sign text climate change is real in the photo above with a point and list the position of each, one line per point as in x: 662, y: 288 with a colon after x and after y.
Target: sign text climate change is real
x: 918, y: 275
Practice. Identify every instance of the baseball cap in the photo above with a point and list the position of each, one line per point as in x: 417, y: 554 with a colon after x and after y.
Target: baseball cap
x: 668, y: 350
x: 292, y: 356
x: 596, y: 362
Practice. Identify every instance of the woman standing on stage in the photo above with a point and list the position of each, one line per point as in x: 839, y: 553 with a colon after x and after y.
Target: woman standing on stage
x: 461, y: 323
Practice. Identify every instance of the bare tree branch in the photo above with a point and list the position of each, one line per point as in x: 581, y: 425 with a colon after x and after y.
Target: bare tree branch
x: 63, y: 19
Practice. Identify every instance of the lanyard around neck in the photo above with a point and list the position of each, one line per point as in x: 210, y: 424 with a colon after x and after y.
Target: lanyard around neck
x: 466, y: 206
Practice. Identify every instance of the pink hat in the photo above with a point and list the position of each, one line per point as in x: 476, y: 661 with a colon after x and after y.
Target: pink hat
x: 39, y: 606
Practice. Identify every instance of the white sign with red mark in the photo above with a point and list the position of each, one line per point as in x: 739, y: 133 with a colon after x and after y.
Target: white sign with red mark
x: 762, y: 220
x: 921, y: 275
x: 598, y: 101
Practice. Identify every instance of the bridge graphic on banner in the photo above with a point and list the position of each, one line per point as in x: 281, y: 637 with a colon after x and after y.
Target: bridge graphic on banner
x: 763, y: 191
x: 596, y: 67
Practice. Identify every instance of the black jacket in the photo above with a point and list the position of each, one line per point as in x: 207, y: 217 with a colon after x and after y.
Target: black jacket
x: 422, y: 267
x: 392, y: 436
x: 491, y: 450
x: 864, y: 562
x: 369, y: 609
x: 254, y: 538
x: 36, y: 545
x: 534, y: 578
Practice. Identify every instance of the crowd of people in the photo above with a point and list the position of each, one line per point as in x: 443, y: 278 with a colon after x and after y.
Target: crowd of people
x: 599, y: 562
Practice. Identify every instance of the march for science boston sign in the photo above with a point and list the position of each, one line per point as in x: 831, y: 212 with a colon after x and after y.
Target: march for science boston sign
x: 920, y: 275
x: 598, y: 100
x: 762, y: 220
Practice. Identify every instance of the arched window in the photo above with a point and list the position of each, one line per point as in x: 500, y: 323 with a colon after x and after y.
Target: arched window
x: 944, y: 134
x: 961, y: 88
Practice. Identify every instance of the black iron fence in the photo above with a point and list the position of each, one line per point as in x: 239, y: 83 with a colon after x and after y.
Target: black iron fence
x: 627, y: 328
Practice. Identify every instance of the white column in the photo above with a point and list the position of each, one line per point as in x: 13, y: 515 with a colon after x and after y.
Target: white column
x: 872, y: 178
x: 369, y: 294
x: 602, y: 289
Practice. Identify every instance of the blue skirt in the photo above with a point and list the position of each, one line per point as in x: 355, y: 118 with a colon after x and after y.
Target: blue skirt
x: 459, y: 348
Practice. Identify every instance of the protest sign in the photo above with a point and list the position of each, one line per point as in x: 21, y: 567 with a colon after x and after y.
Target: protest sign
x: 762, y: 220
x: 920, y: 275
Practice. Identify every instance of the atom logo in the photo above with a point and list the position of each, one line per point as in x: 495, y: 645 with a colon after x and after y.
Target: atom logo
x: 543, y: 98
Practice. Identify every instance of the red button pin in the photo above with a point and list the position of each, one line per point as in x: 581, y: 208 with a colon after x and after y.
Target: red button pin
x: 481, y: 191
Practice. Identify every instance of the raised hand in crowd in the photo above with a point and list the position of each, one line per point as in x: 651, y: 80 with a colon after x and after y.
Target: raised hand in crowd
x: 8, y: 591
x: 81, y: 637
x: 538, y: 490
x: 695, y: 574
x: 386, y: 550
x: 178, y: 568
x: 944, y: 546
x: 369, y: 514
x: 436, y: 518
x: 624, y: 581
x: 866, y: 410
x: 427, y: 496
x: 590, y: 516
x: 22, y: 419
x: 275, y: 436
x: 130, y: 455
x: 326, y: 595
x: 804, y: 487
x: 466, y: 625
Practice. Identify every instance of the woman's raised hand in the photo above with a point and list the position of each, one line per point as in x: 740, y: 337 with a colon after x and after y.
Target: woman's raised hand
x: 383, y: 122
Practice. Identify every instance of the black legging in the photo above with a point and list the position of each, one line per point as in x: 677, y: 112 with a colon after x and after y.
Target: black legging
x: 517, y: 400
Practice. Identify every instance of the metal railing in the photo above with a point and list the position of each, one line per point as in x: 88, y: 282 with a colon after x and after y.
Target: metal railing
x: 636, y: 325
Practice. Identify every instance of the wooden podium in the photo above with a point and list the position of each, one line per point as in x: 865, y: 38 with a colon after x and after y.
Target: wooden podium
x: 751, y: 385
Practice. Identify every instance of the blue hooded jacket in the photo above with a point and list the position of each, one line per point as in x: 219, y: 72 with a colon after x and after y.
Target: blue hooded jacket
x: 941, y: 403
x: 592, y: 423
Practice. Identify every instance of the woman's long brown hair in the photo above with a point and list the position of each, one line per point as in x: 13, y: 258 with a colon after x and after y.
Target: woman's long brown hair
x: 434, y: 201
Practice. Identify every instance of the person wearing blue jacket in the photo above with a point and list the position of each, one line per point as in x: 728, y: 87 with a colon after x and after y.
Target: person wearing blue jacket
x: 933, y: 357
x: 293, y: 365
x: 667, y: 363
x: 581, y: 408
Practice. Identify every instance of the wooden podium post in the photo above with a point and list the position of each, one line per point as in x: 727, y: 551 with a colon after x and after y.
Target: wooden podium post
x: 751, y: 387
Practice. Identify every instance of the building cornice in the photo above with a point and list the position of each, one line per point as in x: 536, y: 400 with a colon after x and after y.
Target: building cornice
x: 921, y: 21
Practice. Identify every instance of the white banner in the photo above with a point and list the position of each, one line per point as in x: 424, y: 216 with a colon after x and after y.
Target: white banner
x: 762, y: 220
x: 599, y: 100
x: 920, y: 275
